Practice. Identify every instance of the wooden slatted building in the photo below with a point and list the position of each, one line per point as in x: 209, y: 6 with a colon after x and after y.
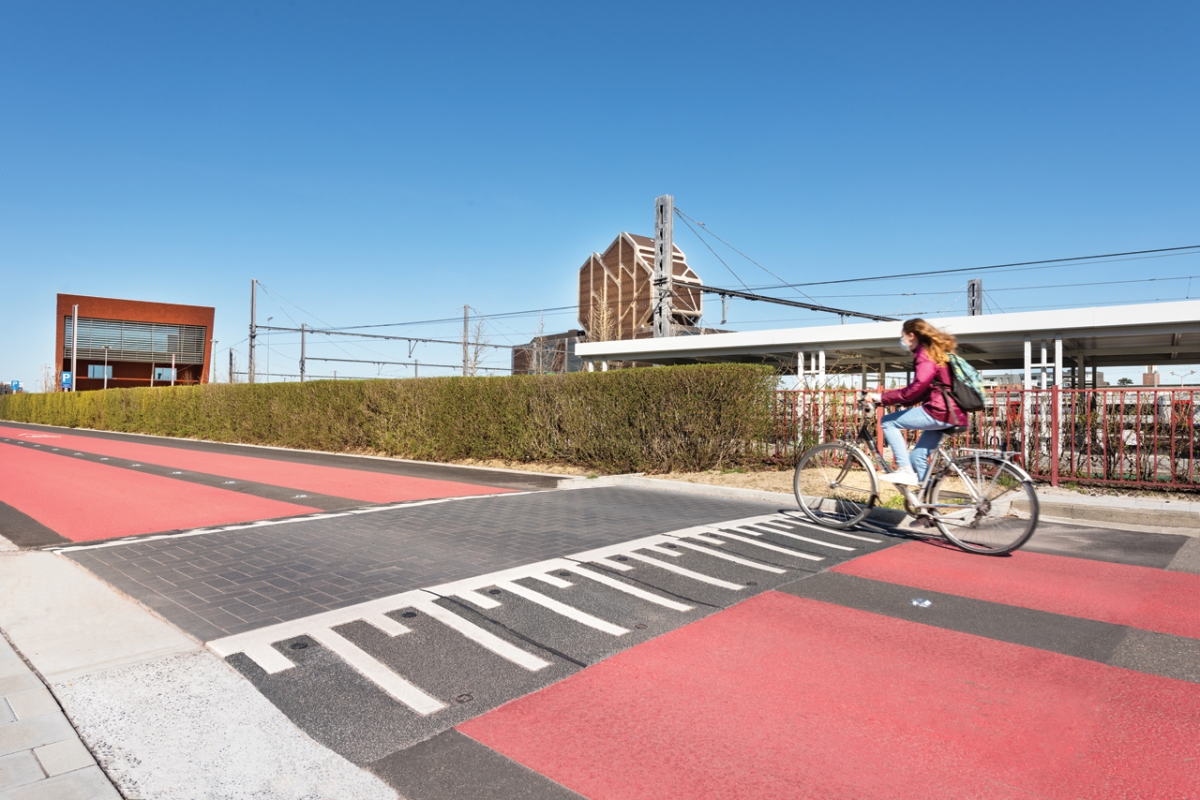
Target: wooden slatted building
x: 615, y: 292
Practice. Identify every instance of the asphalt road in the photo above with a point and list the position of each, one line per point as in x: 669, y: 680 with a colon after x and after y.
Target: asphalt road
x: 468, y: 634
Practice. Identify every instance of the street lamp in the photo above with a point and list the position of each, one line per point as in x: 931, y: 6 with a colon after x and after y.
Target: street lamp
x: 1182, y: 375
x: 106, y: 368
x: 212, y: 357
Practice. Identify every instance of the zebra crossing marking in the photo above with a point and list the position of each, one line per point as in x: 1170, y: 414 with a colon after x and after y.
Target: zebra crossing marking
x: 561, y: 573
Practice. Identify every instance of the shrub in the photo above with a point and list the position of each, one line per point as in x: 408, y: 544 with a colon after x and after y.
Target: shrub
x: 635, y: 420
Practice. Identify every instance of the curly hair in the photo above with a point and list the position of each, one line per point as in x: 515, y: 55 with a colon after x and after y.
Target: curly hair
x: 938, y: 344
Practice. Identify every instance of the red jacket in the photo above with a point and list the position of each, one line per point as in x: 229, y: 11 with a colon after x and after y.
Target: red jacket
x: 924, y: 391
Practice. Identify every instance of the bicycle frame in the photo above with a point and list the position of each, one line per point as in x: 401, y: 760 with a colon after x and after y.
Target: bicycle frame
x: 939, y: 461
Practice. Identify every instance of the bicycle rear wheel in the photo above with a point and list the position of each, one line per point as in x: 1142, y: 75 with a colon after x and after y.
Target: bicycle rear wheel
x: 835, y: 485
x: 999, y: 509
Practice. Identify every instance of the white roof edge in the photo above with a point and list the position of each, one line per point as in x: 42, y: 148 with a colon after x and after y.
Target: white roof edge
x: 1065, y: 322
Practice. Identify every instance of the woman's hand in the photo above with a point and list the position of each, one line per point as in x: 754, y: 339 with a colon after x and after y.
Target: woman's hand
x: 873, y: 397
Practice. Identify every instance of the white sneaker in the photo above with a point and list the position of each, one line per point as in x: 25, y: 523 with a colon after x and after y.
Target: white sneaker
x: 902, y: 476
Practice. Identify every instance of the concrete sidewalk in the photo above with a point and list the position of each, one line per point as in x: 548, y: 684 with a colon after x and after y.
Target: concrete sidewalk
x: 162, y: 715
x: 41, y: 756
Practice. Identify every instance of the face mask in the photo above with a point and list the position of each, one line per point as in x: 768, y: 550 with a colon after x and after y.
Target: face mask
x: 903, y: 344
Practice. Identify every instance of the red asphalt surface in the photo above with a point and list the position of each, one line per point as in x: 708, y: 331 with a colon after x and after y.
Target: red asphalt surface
x: 785, y: 697
x: 354, y: 484
x: 1140, y: 597
x: 84, y: 501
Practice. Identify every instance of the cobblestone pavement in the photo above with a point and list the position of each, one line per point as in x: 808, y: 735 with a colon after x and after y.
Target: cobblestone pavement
x: 228, y: 582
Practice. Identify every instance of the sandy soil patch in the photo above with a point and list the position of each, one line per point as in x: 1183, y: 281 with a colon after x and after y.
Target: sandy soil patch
x: 533, y: 466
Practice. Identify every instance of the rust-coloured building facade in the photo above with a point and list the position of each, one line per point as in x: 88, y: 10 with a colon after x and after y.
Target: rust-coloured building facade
x: 133, y: 342
x: 616, y: 295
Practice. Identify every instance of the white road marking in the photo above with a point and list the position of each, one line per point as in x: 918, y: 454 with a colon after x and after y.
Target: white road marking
x: 628, y: 589
x: 258, y: 644
x: 377, y: 673
x: 570, y: 612
x: 478, y: 635
x: 622, y: 549
x: 617, y: 565
x: 687, y: 573
x: 553, y: 580
x: 814, y: 527
x: 768, y: 546
x: 480, y: 600
x: 726, y: 557
x: 263, y: 654
x: 810, y: 541
x: 288, y: 521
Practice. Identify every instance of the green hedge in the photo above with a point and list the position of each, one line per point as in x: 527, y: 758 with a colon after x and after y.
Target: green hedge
x: 633, y: 420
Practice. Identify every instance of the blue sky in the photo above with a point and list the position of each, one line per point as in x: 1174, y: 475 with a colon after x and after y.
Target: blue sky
x: 387, y: 162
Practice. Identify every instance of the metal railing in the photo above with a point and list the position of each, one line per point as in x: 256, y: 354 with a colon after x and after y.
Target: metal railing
x: 1117, y: 436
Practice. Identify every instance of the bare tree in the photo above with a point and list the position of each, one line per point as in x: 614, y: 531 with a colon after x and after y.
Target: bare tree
x: 537, y: 351
x: 602, y: 322
x: 477, y: 345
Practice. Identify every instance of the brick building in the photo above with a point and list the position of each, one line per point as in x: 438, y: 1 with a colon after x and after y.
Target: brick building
x: 132, y: 343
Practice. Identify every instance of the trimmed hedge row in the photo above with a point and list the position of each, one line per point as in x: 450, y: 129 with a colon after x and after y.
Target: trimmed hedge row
x: 633, y: 420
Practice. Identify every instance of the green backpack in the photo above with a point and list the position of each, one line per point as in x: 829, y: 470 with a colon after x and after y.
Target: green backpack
x: 966, y: 384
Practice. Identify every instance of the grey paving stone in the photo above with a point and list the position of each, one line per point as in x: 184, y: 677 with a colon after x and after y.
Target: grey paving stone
x: 6, y: 712
x: 65, y: 756
x: 85, y: 784
x: 30, y: 733
x: 18, y: 769
x: 33, y: 703
x: 20, y: 682
x: 234, y: 581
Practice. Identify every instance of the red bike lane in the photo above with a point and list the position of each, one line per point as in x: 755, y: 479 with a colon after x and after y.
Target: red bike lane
x: 786, y: 696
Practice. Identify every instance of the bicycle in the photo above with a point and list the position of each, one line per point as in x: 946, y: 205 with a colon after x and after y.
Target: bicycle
x: 980, y: 500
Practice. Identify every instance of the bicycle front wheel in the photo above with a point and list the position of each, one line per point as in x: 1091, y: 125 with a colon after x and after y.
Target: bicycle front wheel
x: 988, y: 506
x: 835, y: 485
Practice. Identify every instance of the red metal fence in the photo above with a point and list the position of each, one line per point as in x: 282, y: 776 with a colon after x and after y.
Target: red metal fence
x: 1128, y: 437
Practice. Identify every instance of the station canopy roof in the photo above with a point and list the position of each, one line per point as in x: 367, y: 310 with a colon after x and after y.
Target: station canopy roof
x: 1149, y: 334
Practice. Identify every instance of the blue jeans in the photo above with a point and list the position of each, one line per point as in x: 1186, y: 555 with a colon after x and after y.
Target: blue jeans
x: 913, y: 419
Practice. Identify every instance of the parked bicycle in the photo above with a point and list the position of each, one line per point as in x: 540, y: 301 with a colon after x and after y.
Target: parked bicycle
x: 977, y: 499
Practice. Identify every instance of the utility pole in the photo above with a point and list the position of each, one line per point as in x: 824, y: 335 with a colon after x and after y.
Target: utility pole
x: 253, y: 327
x: 663, y: 286
x: 466, y: 333
x: 302, y: 327
x: 172, y: 369
x: 106, y: 368
x: 74, y: 345
x: 975, y: 297
x: 231, y: 365
x: 212, y: 356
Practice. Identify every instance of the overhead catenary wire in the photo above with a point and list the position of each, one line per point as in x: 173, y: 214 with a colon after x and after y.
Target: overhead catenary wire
x: 1044, y: 263
x: 685, y: 219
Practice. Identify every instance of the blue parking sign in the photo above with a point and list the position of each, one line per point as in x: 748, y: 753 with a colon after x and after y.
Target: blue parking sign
x: 16, y: 386
x: 66, y: 381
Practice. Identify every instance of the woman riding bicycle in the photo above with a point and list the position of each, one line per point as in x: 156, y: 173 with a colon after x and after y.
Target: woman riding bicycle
x: 929, y: 406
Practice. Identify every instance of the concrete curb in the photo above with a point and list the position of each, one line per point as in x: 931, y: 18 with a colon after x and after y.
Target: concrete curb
x: 1133, y: 511
x: 884, y: 516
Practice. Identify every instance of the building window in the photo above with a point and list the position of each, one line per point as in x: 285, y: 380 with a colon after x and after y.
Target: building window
x: 99, y: 371
x: 164, y: 374
x: 135, y: 341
